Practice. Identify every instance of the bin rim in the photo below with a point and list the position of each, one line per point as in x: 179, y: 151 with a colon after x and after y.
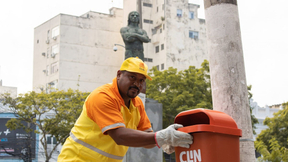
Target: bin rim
x: 212, y: 129
x: 214, y: 117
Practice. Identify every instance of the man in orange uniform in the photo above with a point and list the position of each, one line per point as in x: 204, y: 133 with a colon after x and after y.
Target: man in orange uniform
x: 113, y: 118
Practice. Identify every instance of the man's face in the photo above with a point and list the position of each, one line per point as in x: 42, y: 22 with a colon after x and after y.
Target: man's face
x: 134, y: 17
x: 130, y: 84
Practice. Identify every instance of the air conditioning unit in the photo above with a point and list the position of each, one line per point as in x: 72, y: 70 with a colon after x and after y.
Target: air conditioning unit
x: 54, y: 38
x: 44, y: 71
x: 47, y: 41
x: 51, y: 83
x: 43, y: 54
x: 196, y: 37
x: 53, y: 55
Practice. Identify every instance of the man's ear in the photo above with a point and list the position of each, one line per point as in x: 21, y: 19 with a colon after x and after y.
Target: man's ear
x: 119, y: 72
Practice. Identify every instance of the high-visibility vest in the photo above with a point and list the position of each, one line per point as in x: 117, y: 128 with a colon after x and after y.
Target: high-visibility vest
x: 87, y: 142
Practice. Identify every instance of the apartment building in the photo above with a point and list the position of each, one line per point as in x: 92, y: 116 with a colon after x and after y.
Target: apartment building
x: 261, y: 113
x: 76, y: 51
x: 178, y: 36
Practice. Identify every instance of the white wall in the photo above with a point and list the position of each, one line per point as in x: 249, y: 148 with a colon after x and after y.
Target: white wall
x: 261, y: 113
x: 86, y: 57
x: 11, y: 90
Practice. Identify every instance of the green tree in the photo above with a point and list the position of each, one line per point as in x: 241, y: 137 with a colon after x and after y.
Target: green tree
x: 254, y: 120
x: 53, y: 113
x: 272, y: 143
x: 184, y: 90
x: 179, y: 91
x: 275, y: 154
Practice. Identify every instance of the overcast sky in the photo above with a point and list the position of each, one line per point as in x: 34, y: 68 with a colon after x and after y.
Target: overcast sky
x: 263, y: 28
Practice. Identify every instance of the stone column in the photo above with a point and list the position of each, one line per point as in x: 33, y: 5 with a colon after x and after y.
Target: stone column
x: 228, y: 80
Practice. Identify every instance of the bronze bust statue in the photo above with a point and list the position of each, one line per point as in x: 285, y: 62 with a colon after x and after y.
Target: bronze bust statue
x: 134, y: 37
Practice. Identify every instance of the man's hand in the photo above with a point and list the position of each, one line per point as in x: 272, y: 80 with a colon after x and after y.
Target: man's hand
x: 170, y: 136
x: 168, y: 149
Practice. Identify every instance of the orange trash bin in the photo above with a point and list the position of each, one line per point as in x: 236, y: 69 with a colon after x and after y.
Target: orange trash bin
x: 215, y: 137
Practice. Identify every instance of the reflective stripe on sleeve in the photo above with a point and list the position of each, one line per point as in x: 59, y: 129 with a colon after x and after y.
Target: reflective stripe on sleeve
x: 95, y: 149
x: 148, y: 130
x: 112, y: 126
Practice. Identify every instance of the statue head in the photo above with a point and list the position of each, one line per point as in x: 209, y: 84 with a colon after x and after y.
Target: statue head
x: 133, y: 17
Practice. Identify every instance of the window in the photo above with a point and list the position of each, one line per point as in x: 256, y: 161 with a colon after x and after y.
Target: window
x: 179, y: 13
x: 162, y: 66
x: 157, y: 67
x: 37, y: 41
x: 154, y: 30
x: 163, y: 26
x: 148, y: 59
x: 157, y: 49
x: 157, y: 9
x: 147, y: 4
x: 48, y: 140
x: 191, y: 15
x: 55, y: 32
x: 51, y: 140
x: 54, y: 67
x: 193, y: 34
x: 162, y: 47
x: 163, y: 6
x: 148, y: 21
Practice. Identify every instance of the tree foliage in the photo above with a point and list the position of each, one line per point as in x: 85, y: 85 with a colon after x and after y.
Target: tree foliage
x: 272, y: 143
x: 53, y: 113
x: 184, y: 90
x: 254, y: 120
x: 179, y: 91
x: 275, y: 153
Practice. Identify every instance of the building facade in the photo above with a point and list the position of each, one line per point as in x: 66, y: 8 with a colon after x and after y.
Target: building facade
x: 178, y: 36
x: 76, y: 51
x: 261, y: 113
x: 3, y: 90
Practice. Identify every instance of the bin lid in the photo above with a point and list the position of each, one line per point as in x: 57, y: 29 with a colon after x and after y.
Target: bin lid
x: 205, y: 120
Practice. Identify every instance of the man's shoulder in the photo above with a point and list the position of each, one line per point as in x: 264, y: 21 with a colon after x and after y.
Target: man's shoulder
x: 138, y: 101
x: 104, y: 89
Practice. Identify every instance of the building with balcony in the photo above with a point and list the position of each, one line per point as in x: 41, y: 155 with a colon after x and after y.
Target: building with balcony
x: 178, y: 36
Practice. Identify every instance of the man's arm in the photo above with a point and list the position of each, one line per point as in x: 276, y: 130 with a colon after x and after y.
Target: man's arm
x: 132, y: 138
x: 135, y: 138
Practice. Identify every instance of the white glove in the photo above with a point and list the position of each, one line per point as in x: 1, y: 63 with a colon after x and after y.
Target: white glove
x: 170, y: 136
x: 168, y: 149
